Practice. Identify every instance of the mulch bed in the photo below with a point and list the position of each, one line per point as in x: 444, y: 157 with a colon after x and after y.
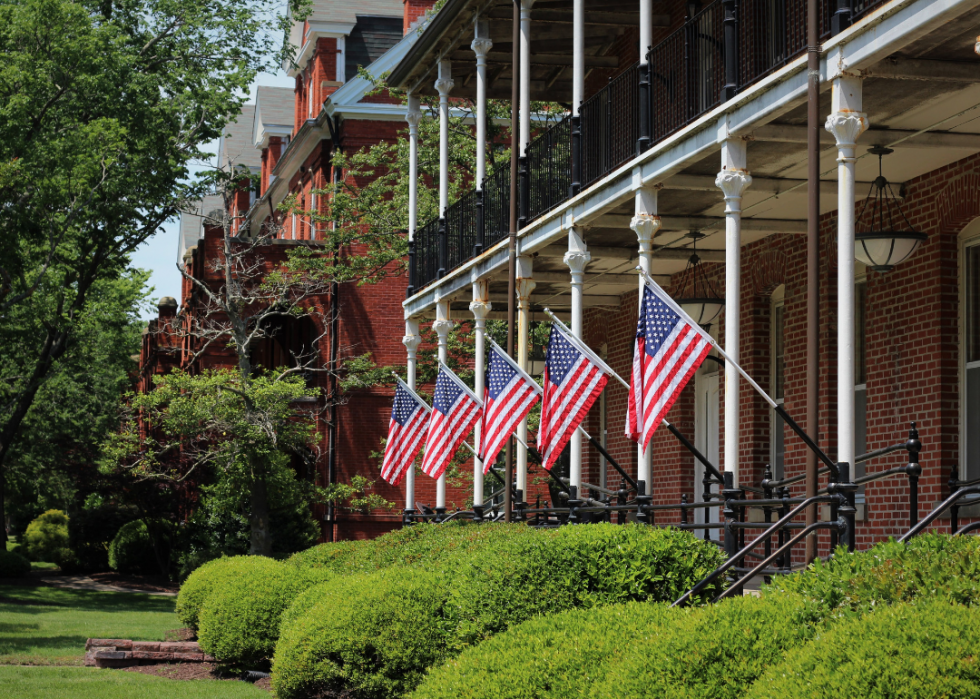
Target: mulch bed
x: 191, y: 671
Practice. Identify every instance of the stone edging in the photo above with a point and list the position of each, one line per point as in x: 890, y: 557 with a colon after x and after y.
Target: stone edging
x: 116, y: 652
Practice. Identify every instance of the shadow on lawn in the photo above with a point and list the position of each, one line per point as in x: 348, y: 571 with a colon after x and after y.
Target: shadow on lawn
x: 43, y: 600
x: 28, y: 645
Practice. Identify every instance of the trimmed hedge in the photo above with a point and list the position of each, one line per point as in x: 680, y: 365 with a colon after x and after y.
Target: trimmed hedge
x: 477, y: 586
x: 715, y: 651
x: 239, y: 622
x: 368, y: 636
x: 549, y: 657
x: 132, y: 548
x: 932, y: 565
x: 199, y: 585
x: 13, y: 565
x: 46, y: 538
x: 545, y: 572
x: 924, y: 650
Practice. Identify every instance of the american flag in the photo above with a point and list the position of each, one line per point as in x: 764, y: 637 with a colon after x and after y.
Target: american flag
x: 510, y: 395
x: 409, y: 417
x: 669, y: 349
x: 454, y: 412
x: 573, y: 379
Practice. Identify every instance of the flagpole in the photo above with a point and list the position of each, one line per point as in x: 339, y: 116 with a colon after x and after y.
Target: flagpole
x: 831, y: 465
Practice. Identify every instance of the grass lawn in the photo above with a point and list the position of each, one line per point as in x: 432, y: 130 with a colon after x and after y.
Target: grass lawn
x: 90, y: 683
x: 49, y: 626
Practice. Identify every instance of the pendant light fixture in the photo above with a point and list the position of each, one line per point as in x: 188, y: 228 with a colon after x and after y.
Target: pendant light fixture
x: 697, y: 295
x: 885, y: 244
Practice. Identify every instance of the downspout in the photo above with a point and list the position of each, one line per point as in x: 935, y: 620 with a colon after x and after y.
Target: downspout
x: 334, y: 310
x: 812, y: 264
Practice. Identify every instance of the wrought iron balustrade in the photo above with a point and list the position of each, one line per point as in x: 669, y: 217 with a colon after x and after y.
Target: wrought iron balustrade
x: 684, y: 78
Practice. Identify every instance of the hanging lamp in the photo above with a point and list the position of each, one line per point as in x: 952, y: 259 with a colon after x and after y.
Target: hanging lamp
x: 697, y: 295
x: 884, y: 245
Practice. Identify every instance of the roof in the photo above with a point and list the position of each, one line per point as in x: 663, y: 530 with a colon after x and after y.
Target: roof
x: 273, y: 114
x: 370, y: 39
x: 192, y: 222
x: 235, y: 146
x: 346, y: 11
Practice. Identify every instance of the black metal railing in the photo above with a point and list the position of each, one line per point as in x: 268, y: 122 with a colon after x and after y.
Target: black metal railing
x: 727, y: 46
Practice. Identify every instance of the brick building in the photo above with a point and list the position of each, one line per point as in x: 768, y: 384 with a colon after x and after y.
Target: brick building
x: 288, y: 138
x: 703, y: 144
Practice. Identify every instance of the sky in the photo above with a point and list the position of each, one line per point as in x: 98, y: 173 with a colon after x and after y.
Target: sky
x: 159, y: 253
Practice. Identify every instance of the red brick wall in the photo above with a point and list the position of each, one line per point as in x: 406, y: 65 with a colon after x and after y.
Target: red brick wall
x: 413, y: 10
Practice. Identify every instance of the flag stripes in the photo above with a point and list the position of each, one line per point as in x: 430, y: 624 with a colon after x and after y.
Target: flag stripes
x: 510, y: 395
x: 407, y: 427
x: 455, y: 411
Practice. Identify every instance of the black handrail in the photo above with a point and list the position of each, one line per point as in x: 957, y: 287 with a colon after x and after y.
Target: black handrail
x: 938, y: 510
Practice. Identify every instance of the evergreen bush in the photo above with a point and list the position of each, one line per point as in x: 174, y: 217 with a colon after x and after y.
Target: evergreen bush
x: 715, y: 651
x: 239, y: 622
x: 46, y: 538
x: 91, y: 531
x: 923, y: 650
x: 549, y: 657
x: 549, y: 571
x: 141, y: 549
x: 368, y: 636
x: 200, y: 584
x: 931, y: 565
x: 13, y: 565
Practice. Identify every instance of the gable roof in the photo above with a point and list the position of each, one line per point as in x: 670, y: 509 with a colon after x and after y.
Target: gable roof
x: 236, y: 146
x: 273, y: 114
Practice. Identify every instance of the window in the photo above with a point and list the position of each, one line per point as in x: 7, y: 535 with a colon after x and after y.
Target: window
x: 970, y: 444
x: 778, y: 361
x: 312, y: 214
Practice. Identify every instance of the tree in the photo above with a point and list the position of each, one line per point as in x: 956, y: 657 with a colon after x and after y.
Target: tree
x: 104, y: 106
x: 78, y: 404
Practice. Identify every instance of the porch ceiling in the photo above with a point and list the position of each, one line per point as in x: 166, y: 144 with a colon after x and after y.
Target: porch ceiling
x: 930, y: 85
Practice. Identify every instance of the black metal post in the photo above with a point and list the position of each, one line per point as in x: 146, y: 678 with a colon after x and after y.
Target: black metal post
x: 642, y: 501
x: 443, y: 248
x: 576, y: 121
x: 412, y: 278
x: 644, y: 142
x: 784, y: 561
x: 842, y: 17
x: 683, y: 508
x: 845, y: 491
x: 621, y: 495
x: 706, y: 483
x: 480, y: 225
x: 729, y: 493
x: 730, y: 8
x: 573, y: 504
x: 767, y: 511
x: 519, y: 504
x: 954, y: 511
x: 913, y: 446
x: 477, y: 514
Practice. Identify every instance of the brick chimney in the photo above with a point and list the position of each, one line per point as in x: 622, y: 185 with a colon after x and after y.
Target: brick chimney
x: 413, y: 10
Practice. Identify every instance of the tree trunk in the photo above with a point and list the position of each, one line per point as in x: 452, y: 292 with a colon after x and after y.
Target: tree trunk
x: 259, y: 518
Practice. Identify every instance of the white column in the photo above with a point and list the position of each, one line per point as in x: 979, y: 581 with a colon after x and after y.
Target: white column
x: 444, y: 84
x: 442, y: 325
x: 411, y: 340
x: 525, y: 285
x: 480, y: 306
x: 481, y: 46
x: 646, y: 29
x: 525, y: 104
x: 645, y: 224
x: 578, y: 55
x: 846, y: 122
x: 732, y: 180
x: 577, y: 258
x: 413, y: 116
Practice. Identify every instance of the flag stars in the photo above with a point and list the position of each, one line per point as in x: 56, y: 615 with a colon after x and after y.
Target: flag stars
x: 405, y: 406
x: 658, y: 323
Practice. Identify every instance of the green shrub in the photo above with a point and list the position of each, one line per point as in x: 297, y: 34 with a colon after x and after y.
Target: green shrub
x: 199, y: 585
x: 329, y: 559
x: 239, y: 622
x: 932, y: 565
x: 715, y: 651
x: 141, y: 549
x: 46, y: 538
x: 924, y: 650
x: 550, y: 657
x: 91, y: 531
x: 545, y: 572
x: 365, y: 637
x: 13, y: 565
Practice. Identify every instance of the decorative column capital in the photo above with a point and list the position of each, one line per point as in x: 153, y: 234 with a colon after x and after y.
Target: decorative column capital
x: 413, y: 116
x: 524, y: 287
x: 481, y: 47
x: 732, y: 183
x: 526, y: 6
x: 411, y: 343
x: 645, y: 226
x: 442, y: 328
x: 846, y: 127
x: 443, y: 86
x: 577, y: 261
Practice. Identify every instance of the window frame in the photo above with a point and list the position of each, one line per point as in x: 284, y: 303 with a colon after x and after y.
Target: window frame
x: 969, y: 237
